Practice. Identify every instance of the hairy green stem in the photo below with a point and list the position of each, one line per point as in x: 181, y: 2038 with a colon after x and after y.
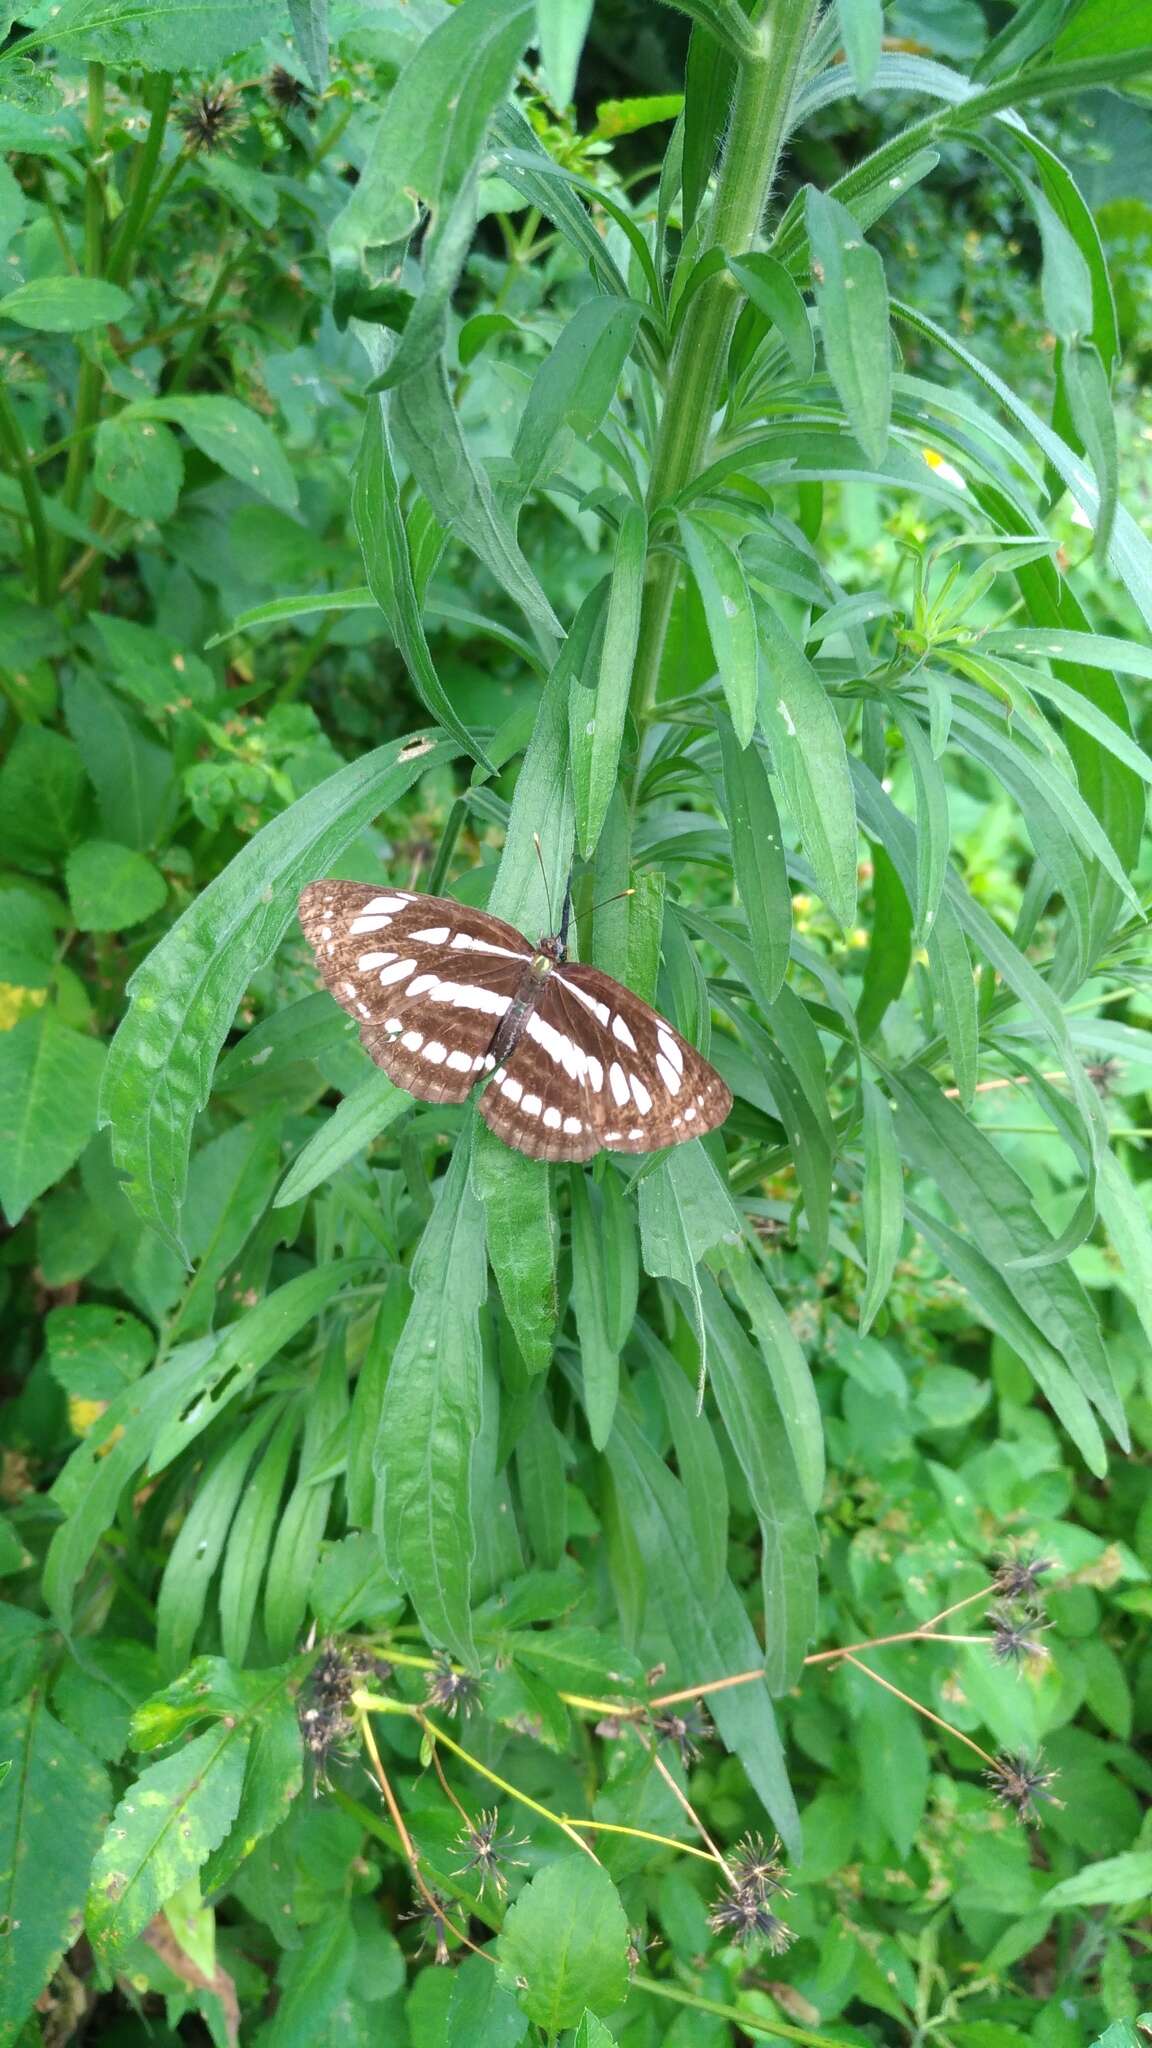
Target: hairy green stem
x: 12, y: 440
x: 763, y: 96
x: 144, y: 171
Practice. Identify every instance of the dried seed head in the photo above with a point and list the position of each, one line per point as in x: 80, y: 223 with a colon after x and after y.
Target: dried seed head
x: 742, y: 1916
x: 285, y: 90
x: 1104, y: 1076
x: 1018, y: 1576
x: 1016, y: 1635
x: 488, y: 1851
x: 1020, y: 1782
x: 211, y: 119
x: 689, y: 1729
x: 757, y: 1869
x: 454, y: 1692
x: 431, y: 1916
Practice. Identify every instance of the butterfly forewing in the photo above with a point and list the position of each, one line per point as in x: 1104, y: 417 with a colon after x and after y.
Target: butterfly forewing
x: 431, y: 984
x: 599, y: 1070
x: 428, y: 980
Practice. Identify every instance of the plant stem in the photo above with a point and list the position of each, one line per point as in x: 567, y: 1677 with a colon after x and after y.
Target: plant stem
x: 144, y: 170
x: 764, y: 90
x: 183, y: 370
x: 91, y: 377
x: 918, y: 1707
x: 12, y: 440
x: 437, y: 1735
x: 748, y: 2022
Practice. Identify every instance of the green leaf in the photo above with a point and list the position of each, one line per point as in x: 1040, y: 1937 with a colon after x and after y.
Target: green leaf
x: 747, y: 1404
x: 727, y: 603
x: 481, y: 2013
x: 300, y: 1531
x: 540, y: 1482
x: 132, y: 775
x: 852, y: 298
x: 896, y: 1781
x: 599, y: 1356
x: 563, y: 1946
x: 309, y: 20
x: 350, y: 1586
x: 561, y: 26
x: 520, y: 1222
x: 578, y: 1660
x: 64, y: 305
x: 788, y: 1371
x: 231, y: 1184
x: 231, y: 435
x: 138, y: 466
x: 313, y: 1985
x: 932, y: 819
x: 196, y: 1552
x: 431, y: 1416
x: 706, y: 1634
x: 620, y: 1252
x: 232, y: 1361
x: 1118, y: 1881
x: 51, y: 1818
x: 362, y: 1116
x: 380, y: 530
x: 186, y: 993
x: 42, y: 797
x: 96, y: 1352
x: 1089, y: 395
x: 862, y: 27
x: 27, y: 940
x: 110, y: 887
x: 883, y: 1203
x: 598, y: 704
x: 165, y: 35
x: 809, y: 757
x: 162, y: 1832
x: 573, y: 389
x: 592, y: 2033
x: 698, y: 1461
x: 771, y: 290
x: 758, y: 860
x: 250, y: 1539
x: 49, y: 1089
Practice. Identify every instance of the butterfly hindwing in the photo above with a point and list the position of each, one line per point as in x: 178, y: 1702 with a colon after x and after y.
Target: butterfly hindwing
x: 427, y: 979
x: 599, y: 1070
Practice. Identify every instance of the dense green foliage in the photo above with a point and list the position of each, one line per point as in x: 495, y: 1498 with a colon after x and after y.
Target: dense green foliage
x: 437, y: 455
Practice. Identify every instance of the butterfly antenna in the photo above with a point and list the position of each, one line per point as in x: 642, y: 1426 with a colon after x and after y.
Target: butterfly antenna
x: 544, y: 878
x: 604, y: 901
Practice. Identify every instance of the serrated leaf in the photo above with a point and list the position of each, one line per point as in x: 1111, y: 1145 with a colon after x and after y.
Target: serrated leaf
x: 184, y: 996
x: 231, y: 435
x: 563, y: 1946
x: 1118, y: 1881
x: 162, y: 1832
x: 110, y: 887
x: 138, y: 466
x: 131, y: 774
x: 96, y: 1352
x: 50, y: 1824
x: 42, y: 797
x: 49, y: 1089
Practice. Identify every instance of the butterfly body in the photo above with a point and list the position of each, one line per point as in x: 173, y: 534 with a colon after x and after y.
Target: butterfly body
x: 449, y: 998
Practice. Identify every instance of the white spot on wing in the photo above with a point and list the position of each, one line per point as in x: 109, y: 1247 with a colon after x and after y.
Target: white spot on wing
x: 460, y: 1062
x: 640, y: 1095
x: 435, y: 1052
x: 670, y: 1050
x: 668, y: 1074
x: 413, y: 1040
x: 572, y: 1126
x: 552, y: 1118
x: 422, y: 983
x: 465, y: 942
x: 368, y: 961
x: 512, y: 1089
x: 595, y: 1073
x: 386, y: 906
x: 620, y: 1030
x: 531, y: 1105
x: 433, y: 935
x: 398, y: 972
x: 369, y: 923
x: 598, y: 1009
x: 618, y: 1082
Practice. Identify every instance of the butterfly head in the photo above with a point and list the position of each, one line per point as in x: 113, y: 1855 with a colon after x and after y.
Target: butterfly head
x: 553, y: 947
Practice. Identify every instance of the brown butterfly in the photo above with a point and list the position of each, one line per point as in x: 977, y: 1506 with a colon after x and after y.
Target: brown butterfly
x: 447, y: 997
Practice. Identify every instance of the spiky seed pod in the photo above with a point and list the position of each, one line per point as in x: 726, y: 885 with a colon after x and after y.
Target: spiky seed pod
x: 1021, y: 1782
x: 211, y: 118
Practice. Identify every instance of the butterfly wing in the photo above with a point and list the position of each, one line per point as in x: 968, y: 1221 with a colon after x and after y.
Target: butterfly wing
x: 599, y: 1070
x: 427, y: 979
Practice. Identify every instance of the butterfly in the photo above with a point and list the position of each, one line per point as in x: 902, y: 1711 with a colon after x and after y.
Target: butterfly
x: 447, y: 998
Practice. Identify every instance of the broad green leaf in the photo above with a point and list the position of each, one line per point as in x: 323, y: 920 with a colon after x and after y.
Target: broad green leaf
x: 882, y: 1205
x: 110, y: 887
x: 362, y: 1116
x: 621, y: 1259
x: 521, y: 1227
x: 166, y: 35
x: 137, y: 465
x: 132, y: 775
x: 561, y: 26
x: 42, y: 797
x: 429, y: 436
x: 758, y: 859
x: 809, y: 757
x: 96, y: 1352
x: 197, y: 1550
x: 313, y: 1982
x: 707, y: 1635
x: 598, y: 702
x: 247, y: 1345
x: 431, y: 1416
x: 592, y: 2033
x: 162, y: 1832
x: 481, y: 2012
x: 771, y: 290
x: 573, y: 388
x: 1118, y: 1881
x: 49, y: 1089
x: 300, y: 1031
x: 564, y: 1944
x: 231, y: 1184
x: 250, y: 1538
x: 746, y: 1400
x: 27, y: 940
x: 852, y: 298
x: 99, y: 1689
x: 184, y: 996
x: 64, y: 305
x: 51, y: 1819
x: 578, y: 1660
x: 896, y: 1783
x: 383, y: 538
x: 231, y: 435
x: 724, y: 593
x: 541, y: 1482
x: 599, y: 1354
x: 698, y: 1461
